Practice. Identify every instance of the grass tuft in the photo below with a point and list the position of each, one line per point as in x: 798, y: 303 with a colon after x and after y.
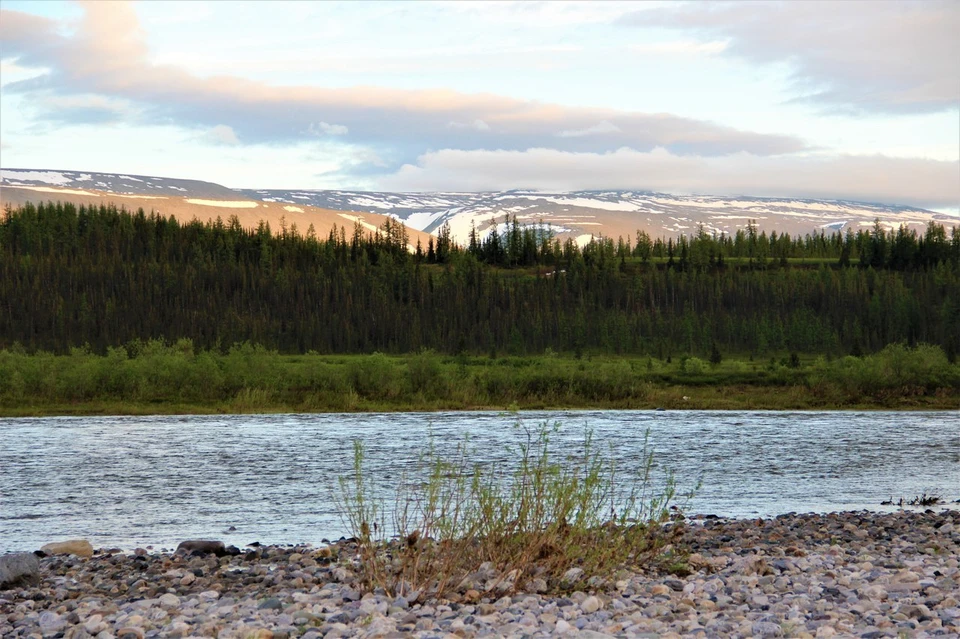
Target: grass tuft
x: 461, y: 527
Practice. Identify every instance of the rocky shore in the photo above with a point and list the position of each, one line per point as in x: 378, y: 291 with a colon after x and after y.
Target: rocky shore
x: 836, y: 575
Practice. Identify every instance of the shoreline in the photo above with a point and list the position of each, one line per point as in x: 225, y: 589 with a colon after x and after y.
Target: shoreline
x: 232, y: 538
x: 809, y: 575
x: 732, y: 399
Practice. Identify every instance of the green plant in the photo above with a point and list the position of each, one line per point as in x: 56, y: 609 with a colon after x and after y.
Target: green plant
x: 461, y: 525
x: 424, y: 373
x: 679, y: 569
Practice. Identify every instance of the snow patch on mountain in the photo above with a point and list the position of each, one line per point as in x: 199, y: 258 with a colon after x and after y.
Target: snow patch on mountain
x: 235, y: 204
x: 49, y: 177
x: 583, y: 202
x: 50, y: 189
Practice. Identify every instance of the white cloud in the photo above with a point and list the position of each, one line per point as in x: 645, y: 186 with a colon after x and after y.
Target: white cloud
x: 925, y: 183
x: 596, y: 129
x: 538, y: 14
x: 895, y: 57
x: 478, y: 125
x: 221, y: 134
x: 681, y: 47
x: 10, y: 71
x: 323, y: 128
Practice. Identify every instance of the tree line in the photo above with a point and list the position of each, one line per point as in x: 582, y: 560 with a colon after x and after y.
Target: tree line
x: 105, y: 277
x: 899, y: 249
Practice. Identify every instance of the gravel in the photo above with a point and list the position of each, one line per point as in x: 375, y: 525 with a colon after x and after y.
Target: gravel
x: 835, y: 575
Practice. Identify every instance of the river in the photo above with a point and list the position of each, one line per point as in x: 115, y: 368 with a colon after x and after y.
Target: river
x: 153, y: 481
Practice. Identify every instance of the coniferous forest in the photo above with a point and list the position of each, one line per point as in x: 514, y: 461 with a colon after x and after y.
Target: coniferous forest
x: 104, y: 310
x: 103, y: 277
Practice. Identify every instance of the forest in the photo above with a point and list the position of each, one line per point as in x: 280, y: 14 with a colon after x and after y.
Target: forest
x: 112, y: 311
x: 100, y: 277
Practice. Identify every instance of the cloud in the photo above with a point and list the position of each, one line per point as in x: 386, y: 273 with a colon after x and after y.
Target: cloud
x: 603, y: 127
x: 682, y: 47
x: 891, y: 57
x: 221, y: 134
x: 107, y: 56
x: 478, y: 125
x: 540, y: 14
x: 322, y: 128
x: 916, y: 182
x: 81, y: 108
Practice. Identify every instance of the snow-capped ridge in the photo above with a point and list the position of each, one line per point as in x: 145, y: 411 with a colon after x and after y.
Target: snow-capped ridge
x: 572, y: 215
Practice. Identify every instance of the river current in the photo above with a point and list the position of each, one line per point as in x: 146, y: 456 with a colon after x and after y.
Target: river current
x: 137, y: 481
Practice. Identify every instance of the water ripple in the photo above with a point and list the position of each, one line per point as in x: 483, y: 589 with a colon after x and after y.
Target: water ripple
x: 134, y: 481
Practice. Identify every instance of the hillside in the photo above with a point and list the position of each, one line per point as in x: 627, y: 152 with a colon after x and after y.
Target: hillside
x: 579, y: 215
x: 583, y: 214
x: 184, y: 199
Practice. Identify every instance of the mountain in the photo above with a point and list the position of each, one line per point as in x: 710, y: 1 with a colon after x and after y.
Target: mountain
x: 583, y: 214
x: 184, y: 199
x: 579, y: 215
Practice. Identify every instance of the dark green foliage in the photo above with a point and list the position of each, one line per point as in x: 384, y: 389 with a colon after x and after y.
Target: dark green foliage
x: 715, y: 356
x: 105, y: 278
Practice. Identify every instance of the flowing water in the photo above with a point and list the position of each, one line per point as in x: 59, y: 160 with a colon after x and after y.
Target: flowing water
x: 137, y: 481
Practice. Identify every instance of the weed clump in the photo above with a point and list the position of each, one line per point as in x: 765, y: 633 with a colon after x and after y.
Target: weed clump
x: 462, y: 529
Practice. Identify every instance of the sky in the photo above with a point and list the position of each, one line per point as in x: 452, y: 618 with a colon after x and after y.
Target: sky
x: 838, y: 100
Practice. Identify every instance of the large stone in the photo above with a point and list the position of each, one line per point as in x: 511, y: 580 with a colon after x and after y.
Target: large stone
x: 18, y: 566
x: 51, y: 622
x: 590, y: 605
x: 78, y: 547
x: 202, y: 547
x: 169, y: 600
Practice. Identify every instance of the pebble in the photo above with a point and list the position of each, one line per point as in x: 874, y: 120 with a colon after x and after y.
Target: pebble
x: 832, y: 575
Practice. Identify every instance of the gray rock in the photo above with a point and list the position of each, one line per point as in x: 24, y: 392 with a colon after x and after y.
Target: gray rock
x: 674, y: 584
x: 340, y: 617
x: 51, y: 622
x: 767, y: 629
x: 572, y: 576
x: 202, y: 547
x: 17, y: 567
x: 271, y: 604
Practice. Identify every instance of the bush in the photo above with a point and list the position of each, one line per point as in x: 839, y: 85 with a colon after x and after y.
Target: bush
x: 375, y: 377
x: 468, y: 527
x: 693, y: 366
x: 425, y: 375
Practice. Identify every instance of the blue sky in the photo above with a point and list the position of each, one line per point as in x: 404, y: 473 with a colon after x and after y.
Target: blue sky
x: 856, y: 100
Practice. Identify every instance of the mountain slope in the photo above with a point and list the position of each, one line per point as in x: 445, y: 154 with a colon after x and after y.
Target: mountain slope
x: 184, y: 199
x: 578, y: 215
x: 581, y: 214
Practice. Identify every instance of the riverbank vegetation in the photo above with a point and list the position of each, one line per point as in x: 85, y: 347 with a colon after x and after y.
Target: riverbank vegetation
x: 105, y: 310
x: 154, y: 377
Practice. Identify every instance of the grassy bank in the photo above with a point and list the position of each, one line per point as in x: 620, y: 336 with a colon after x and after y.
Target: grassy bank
x: 154, y: 378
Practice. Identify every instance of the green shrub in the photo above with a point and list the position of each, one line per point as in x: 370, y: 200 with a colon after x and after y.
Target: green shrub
x: 425, y: 375
x: 468, y: 526
x: 693, y: 366
x: 375, y: 377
